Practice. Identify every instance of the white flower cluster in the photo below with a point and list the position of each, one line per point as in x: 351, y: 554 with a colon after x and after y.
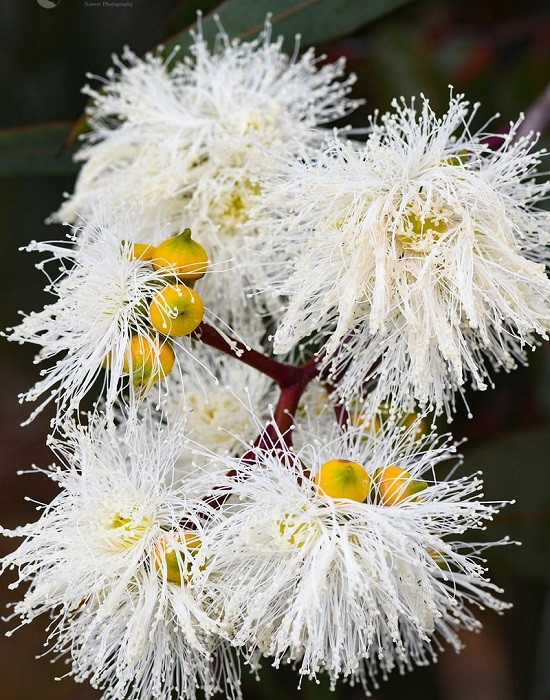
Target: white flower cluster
x: 344, y: 587
x: 219, y: 506
x: 102, y: 293
x: 189, y: 143
x: 151, y: 584
x: 417, y: 257
x: 110, y: 558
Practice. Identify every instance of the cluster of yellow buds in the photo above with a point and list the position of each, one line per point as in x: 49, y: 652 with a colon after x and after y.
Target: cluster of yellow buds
x: 388, y: 486
x: 175, y: 310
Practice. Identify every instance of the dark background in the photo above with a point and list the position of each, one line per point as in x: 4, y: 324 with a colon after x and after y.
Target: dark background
x: 497, y: 52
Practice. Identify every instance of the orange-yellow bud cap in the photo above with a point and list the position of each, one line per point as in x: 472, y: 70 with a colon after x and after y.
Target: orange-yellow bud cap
x: 395, y: 485
x: 141, y: 251
x: 187, y: 258
x: 176, y: 310
x: 340, y: 478
x: 148, y: 360
x: 410, y: 420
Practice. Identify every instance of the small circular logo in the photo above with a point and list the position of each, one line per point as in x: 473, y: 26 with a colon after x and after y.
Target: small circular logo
x: 48, y: 4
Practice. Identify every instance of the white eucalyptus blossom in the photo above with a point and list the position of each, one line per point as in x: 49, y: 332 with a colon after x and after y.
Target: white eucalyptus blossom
x: 350, y: 588
x: 191, y: 530
x: 112, y: 560
x: 103, y: 293
x: 188, y: 142
x: 416, y: 258
x: 220, y: 399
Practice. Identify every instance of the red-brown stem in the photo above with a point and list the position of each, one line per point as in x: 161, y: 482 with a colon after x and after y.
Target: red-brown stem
x: 269, y: 438
x: 290, y: 396
x: 281, y: 373
x: 537, y: 117
x: 292, y: 381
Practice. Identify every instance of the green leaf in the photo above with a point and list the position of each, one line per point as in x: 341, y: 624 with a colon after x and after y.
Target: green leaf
x: 37, y: 150
x: 315, y: 20
x: 541, y: 675
x: 516, y: 468
x: 185, y: 14
x: 43, y: 149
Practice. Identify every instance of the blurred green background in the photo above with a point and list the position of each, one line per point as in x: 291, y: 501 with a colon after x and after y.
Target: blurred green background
x: 496, y: 51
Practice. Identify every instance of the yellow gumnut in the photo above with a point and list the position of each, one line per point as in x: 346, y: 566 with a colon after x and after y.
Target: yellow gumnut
x: 187, y: 258
x: 165, y: 550
x: 141, y: 251
x: 438, y: 558
x: 148, y: 360
x: 176, y: 310
x: 410, y: 419
x: 395, y: 485
x: 369, y: 425
x: 340, y: 478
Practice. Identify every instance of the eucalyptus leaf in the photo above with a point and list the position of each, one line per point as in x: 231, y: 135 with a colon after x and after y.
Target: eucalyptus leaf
x: 46, y: 149
x: 516, y: 468
x: 314, y: 20
x: 37, y: 150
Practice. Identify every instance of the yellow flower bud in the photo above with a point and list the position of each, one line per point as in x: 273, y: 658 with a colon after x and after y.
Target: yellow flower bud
x: 395, y: 485
x: 176, y: 310
x: 148, y: 360
x: 438, y: 558
x: 369, y: 425
x: 340, y: 478
x: 141, y: 251
x: 165, y: 550
x: 410, y: 419
x: 187, y: 258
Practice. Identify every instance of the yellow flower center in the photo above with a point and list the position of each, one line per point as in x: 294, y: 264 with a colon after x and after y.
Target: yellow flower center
x: 123, y: 531
x: 418, y: 229
x: 295, y: 529
x: 233, y: 210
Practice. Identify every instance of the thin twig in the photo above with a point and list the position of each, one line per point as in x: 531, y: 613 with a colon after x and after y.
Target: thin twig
x: 537, y: 117
x: 292, y: 381
x: 281, y: 373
